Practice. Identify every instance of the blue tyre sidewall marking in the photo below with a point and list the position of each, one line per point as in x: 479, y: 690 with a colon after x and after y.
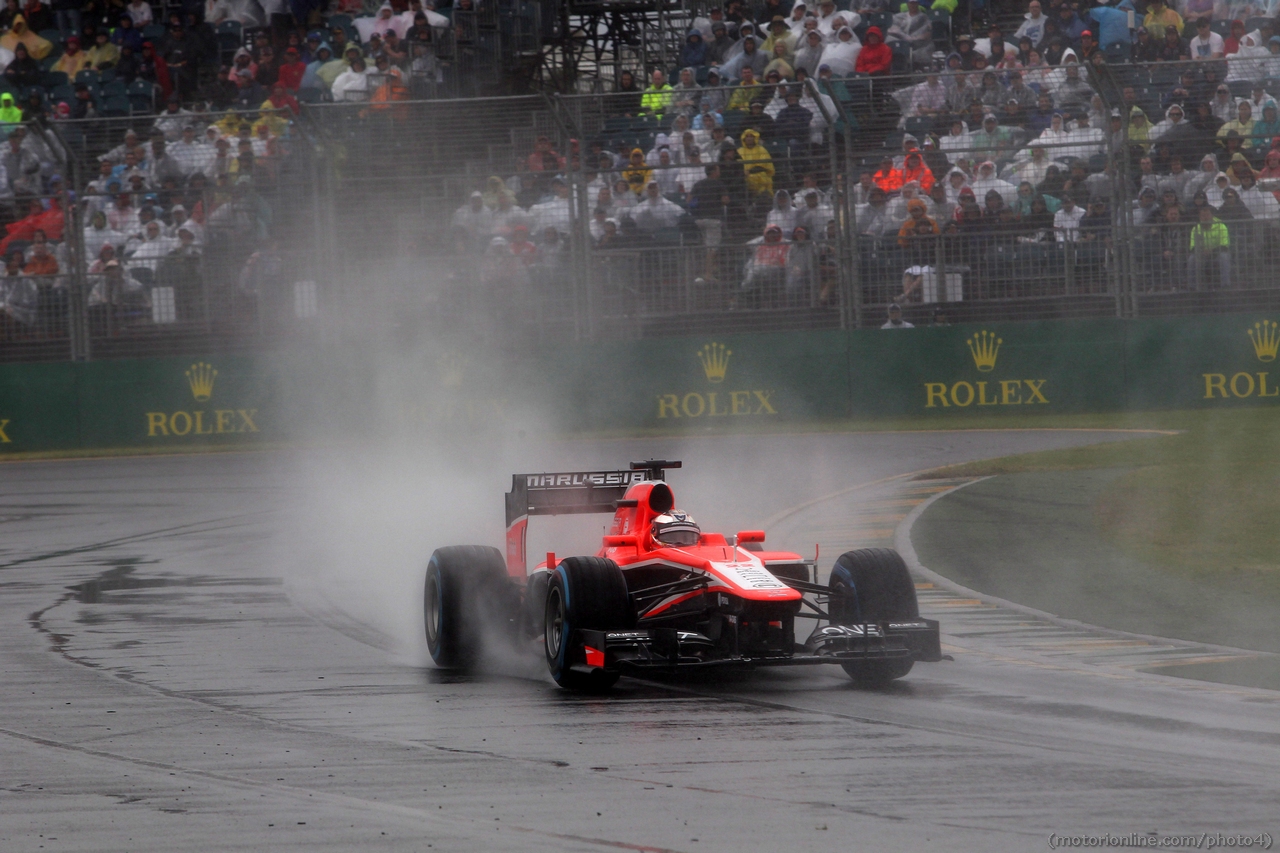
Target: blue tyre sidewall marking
x: 842, y: 573
x: 564, y: 628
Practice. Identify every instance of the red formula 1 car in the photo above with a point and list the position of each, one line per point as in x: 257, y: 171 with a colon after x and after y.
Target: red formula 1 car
x: 662, y: 595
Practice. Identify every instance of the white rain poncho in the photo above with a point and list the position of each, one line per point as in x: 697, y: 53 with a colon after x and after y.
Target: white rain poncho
x: 842, y: 54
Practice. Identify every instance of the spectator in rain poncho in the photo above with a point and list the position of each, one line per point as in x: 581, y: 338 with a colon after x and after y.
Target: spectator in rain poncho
x: 249, y: 13
x: 780, y: 63
x: 1249, y: 63
x: 802, y: 265
x: 352, y: 84
x: 767, y: 267
x: 987, y: 180
x: 151, y: 248
x: 385, y: 19
x: 757, y: 165
x: 780, y: 33
x: 720, y: 45
x: 18, y: 34
x: 750, y: 57
x: 782, y: 213
x: 637, y: 174
x: 555, y: 213
x: 19, y: 294
x: 915, y: 29
x: 842, y: 54
x: 809, y: 54
x: 311, y: 77
x: 472, y: 225
x: 98, y: 233
x: 115, y: 286
x: 686, y: 94
x: 665, y: 174
x: 655, y: 213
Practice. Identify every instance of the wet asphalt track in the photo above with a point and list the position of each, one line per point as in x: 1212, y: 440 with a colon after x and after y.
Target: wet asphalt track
x: 165, y: 687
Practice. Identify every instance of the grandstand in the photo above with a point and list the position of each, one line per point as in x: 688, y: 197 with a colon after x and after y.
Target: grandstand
x: 1061, y: 164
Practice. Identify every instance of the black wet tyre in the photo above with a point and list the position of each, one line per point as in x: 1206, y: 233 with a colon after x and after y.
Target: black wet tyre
x: 872, y: 585
x: 583, y: 593
x: 464, y: 598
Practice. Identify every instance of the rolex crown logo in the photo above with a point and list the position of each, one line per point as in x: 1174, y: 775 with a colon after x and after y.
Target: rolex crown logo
x: 1265, y: 340
x: 200, y: 377
x: 715, y: 361
x: 984, y: 346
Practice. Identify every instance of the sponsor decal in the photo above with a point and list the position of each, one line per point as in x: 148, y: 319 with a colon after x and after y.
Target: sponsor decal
x: 749, y: 576
x: 984, y: 349
x: 588, y: 478
x: 714, y: 359
x: 1265, y: 339
x: 200, y: 379
x: 4, y: 435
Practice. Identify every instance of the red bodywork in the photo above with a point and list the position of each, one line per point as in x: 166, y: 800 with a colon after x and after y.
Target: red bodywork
x: 729, y: 568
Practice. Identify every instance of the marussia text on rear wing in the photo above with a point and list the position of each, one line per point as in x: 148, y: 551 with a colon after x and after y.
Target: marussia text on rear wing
x: 567, y: 494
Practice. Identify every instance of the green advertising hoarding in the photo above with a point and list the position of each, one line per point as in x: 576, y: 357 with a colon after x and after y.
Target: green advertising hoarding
x: 945, y: 373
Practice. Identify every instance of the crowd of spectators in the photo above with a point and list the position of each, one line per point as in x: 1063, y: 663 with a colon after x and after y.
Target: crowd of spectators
x: 1007, y: 161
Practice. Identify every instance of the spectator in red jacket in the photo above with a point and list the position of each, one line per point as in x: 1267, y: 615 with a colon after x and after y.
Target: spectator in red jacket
x: 545, y: 158
x: 291, y: 70
x: 875, y: 57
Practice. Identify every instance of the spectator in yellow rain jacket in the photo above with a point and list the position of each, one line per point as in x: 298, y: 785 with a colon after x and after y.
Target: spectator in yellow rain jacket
x: 9, y: 114
x: 20, y: 34
x: 637, y: 174
x: 657, y: 98
x: 757, y: 165
x: 1210, y: 244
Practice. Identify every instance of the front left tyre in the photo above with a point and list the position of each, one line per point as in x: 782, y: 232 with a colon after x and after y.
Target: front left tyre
x: 464, y: 601
x: 583, y: 593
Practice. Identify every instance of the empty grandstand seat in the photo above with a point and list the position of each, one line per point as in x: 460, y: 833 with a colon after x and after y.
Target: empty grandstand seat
x: 1241, y: 89
x: 106, y: 75
x: 89, y: 77
x: 114, y: 89
x: 142, y: 96
x: 1221, y: 27
x: 230, y: 38
x: 917, y: 125
x: 311, y: 95
x: 1117, y: 53
x: 339, y: 20
x: 62, y: 93
x: 53, y: 79
x: 153, y: 32
x: 115, y: 106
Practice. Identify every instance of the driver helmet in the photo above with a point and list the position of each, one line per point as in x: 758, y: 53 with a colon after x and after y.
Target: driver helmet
x: 676, y: 528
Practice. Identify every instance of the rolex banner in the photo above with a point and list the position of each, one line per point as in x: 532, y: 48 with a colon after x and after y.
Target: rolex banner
x: 717, y: 382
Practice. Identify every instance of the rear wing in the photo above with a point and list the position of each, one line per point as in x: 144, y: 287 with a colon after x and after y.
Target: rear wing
x: 567, y: 494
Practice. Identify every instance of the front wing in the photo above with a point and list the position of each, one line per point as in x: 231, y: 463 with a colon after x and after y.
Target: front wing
x: 666, y: 650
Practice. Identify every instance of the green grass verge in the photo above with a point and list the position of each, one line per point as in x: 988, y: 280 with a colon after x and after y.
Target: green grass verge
x: 1205, y: 500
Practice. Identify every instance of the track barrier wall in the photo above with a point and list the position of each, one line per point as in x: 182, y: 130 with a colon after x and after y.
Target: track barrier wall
x: 945, y: 373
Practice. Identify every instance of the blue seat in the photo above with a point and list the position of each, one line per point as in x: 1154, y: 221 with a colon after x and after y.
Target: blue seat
x: 53, y: 79
x: 115, y: 106
x: 311, y: 95
x: 141, y: 96
x: 153, y: 32
x: 88, y: 77
x: 62, y: 93
x: 114, y: 89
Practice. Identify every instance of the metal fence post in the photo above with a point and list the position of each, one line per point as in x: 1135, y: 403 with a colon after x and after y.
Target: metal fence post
x: 849, y: 266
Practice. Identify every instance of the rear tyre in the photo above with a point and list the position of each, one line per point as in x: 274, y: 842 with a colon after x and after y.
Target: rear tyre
x: 872, y: 585
x: 583, y: 593
x: 464, y: 599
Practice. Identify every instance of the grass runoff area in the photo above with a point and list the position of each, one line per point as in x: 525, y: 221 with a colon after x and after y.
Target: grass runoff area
x: 1205, y: 501
x: 1171, y: 535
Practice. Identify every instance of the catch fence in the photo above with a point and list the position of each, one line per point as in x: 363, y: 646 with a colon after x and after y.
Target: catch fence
x: 357, y: 220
